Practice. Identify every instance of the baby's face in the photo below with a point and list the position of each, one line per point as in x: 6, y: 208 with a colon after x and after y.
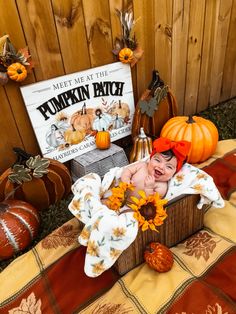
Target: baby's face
x: 161, y: 167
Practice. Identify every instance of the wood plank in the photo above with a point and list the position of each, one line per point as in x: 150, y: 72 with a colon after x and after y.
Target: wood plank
x: 144, y: 14
x: 98, y: 29
x: 229, y: 70
x: 179, y: 50
x: 163, y: 38
x: 71, y: 34
x: 11, y: 24
x: 10, y: 136
x: 220, y: 43
x: 194, y: 55
x: 38, y: 23
x: 207, y: 54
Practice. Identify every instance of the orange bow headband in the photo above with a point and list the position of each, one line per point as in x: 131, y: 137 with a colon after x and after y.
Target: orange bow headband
x: 180, y: 149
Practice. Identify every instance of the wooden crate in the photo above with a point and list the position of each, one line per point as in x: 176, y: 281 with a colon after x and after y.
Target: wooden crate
x: 98, y: 161
x: 184, y: 219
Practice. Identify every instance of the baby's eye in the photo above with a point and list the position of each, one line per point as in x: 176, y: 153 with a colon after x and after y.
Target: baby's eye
x: 170, y: 167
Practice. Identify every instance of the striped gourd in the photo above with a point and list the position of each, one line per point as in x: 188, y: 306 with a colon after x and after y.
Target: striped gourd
x: 19, y: 224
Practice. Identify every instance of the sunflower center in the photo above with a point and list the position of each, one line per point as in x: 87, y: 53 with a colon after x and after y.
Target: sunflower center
x: 148, y: 211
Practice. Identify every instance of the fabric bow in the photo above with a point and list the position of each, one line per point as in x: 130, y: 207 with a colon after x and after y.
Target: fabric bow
x: 180, y: 149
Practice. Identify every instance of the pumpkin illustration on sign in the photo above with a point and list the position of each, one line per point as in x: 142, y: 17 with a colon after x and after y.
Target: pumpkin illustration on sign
x: 102, y: 120
x: 36, y: 180
x: 158, y: 257
x: 73, y: 136
x: 19, y: 225
x: 83, y: 119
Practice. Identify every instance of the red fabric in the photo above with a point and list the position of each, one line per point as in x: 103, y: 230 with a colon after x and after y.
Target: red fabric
x: 223, y: 172
x: 63, y: 287
x: 180, y: 149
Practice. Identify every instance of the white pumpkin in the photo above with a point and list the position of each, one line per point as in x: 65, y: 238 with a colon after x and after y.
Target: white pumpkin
x: 102, y: 121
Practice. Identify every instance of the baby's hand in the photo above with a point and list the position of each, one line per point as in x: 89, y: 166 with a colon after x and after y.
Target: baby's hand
x: 149, y: 182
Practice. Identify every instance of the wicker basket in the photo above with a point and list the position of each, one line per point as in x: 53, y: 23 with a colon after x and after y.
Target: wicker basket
x: 184, y: 219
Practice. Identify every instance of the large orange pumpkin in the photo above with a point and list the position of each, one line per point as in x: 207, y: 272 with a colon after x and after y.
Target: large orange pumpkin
x: 155, y: 107
x: 201, y: 132
x: 38, y: 181
x: 19, y: 224
x: 158, y: 257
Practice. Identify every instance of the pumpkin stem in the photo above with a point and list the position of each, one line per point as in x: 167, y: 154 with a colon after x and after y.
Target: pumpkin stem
x: 3, y: 207
x: 119, y: 104
x: 22, y: 156
x: 84, y: 111
x: 190, y: 119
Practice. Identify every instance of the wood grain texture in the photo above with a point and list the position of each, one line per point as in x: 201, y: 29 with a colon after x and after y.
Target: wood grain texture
x: 207, y: 55
x: 66, y: 36
x: 163, y: 38
x: 229, y: 69
x: 220, y: 43
x: 179, y: 50
x: 98, y: 31
x: 194, y: 55
x: 40, y: 31
x: 72, y: 36
x: 144, y: 14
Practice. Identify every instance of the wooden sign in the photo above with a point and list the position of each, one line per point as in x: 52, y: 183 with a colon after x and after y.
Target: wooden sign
x: 67, y: 111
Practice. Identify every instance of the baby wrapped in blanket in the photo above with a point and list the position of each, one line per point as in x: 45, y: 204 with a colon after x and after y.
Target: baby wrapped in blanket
x: 107, y: 233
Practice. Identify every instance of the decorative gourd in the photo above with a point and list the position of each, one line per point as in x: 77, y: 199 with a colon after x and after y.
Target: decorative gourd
x: 202, y: 134
x: 126, y: 55
x: 3, y: 78
x: 73, y: 136
x: 19, y: 224
x: 38, y: 181
x: 158, y: 257
x: 17, y: 72
x: 155, y: 107
x: 142, y: 146
x: 55, y: 136
x: 103, y: 139
x: 102, y: 121
x: 120, y: 109
x: 118, y: 122
x: 83, y: 119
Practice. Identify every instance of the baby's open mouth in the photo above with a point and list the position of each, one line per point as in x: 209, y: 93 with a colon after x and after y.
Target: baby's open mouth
x: 158, y: 173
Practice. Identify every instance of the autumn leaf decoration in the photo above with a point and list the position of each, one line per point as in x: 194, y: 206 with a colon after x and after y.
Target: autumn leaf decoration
x: 9, y: 55
x: 149, y: 106
x: 127, y: 45
x: 34, y: 167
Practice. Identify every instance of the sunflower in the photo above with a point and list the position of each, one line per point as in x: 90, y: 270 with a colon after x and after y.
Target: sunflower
x: 148, y: 210
x: 119, y: 195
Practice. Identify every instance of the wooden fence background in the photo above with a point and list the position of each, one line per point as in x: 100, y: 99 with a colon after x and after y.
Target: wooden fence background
x: 191, y: 42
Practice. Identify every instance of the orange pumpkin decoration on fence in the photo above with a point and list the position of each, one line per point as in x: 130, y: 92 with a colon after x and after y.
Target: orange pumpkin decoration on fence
x: 103, y: 139
x: 201, y: 132
x: 155, y: 107
x: 19, y: 224
x: 126, y: 55
x: 158, y: 257
x: 17, y: 72
x: 38, y: 181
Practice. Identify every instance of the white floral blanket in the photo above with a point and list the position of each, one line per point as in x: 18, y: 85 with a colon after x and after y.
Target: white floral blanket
x: 106, y: 233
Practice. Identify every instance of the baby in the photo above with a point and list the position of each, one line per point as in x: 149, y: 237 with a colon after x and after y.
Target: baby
x: 166, y: 159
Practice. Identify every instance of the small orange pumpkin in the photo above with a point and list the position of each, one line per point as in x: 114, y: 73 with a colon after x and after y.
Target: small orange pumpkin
x: 158, y: 257
x: 126, y: 55
x: 19, y: 224
x: 103, y: 139
x: 17, y: 72
x: 201, y: 132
